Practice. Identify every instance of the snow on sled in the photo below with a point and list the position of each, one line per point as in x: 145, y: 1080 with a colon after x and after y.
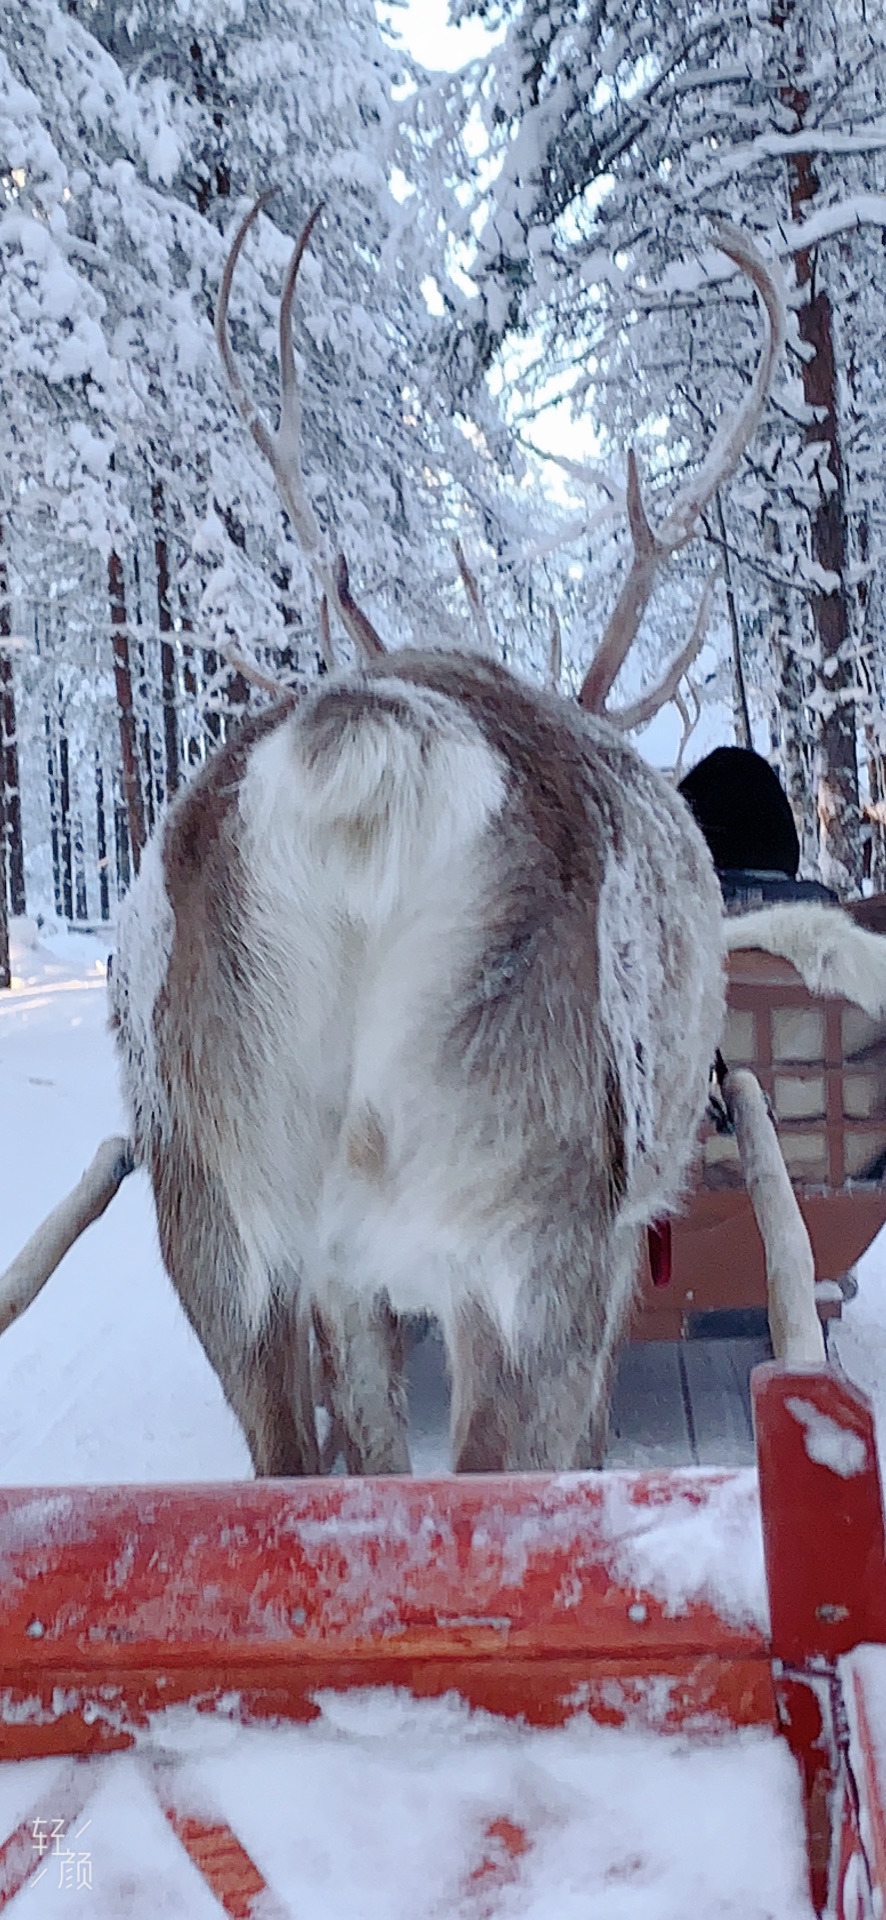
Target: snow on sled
x: 583, y: 1601
x: 710, y: 1619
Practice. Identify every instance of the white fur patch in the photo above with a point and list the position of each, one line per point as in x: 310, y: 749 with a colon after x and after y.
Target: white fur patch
x: 145, y: 928
x: 397, y: 799
x: 364, y: 861
x: 832, y: 955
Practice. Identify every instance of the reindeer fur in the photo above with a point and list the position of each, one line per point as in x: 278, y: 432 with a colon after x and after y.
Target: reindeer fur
x: 833, y: 956
x: 415, y: 996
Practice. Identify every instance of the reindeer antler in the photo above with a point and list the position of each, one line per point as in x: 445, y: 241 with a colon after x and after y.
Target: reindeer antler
x: 475, y: 598
x: 641, y: 711
x: 653, y: 547
x: 282, y: 449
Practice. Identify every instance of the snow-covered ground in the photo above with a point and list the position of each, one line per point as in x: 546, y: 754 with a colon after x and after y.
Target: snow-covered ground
x: 102, y: 1379
x: 377, y: 1809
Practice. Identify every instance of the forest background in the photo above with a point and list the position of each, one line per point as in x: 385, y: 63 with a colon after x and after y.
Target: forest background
x: 514, y: 280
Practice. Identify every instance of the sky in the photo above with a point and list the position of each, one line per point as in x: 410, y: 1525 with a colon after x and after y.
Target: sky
x: 424, y: 27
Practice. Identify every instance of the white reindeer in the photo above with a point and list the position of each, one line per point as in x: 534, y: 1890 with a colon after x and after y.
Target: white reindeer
x: 416, y: 996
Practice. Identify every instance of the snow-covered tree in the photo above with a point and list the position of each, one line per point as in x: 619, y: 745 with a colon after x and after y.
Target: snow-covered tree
x: 532, y: 236
x: 606, y: 139
x: 131, y: 141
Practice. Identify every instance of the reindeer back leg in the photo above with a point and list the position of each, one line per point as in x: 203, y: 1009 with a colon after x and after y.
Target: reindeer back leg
x: 265, y: 1378
x: 541, y: 1401
x: 258, y: 1347
x: 361, y: 1348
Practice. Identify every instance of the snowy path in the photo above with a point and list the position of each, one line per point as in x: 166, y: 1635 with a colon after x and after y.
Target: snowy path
x: 102, y: 1379
x: 376, y: 1809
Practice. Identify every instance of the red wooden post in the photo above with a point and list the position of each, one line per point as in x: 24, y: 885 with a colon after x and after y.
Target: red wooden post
x: 825, y: 1546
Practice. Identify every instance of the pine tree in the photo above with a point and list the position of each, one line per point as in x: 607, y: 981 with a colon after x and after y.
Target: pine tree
x: 131, y: 139
x: 615, y: 136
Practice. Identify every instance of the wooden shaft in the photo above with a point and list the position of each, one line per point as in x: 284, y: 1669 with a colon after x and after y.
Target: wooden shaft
x: 31, y: 1268
x: 797, y: 1339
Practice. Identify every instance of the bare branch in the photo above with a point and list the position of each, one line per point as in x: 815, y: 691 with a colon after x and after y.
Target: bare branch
x: 327, y: 650
x: 577, y: 529
x: 651, y: 548
x: 36, y: 1263
x: 282, y: 449
x: 469, y: 582
x: 588, y: 475
x: 642, y: 711
x: 741, y: 692
x: 253, y: 673
x: 690, y: 722
x: 641, y: 532
x: 555, y: 652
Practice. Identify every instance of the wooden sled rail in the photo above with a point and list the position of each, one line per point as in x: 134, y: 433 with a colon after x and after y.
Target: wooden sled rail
x: 534, y: 1596
x: 119, y: 1602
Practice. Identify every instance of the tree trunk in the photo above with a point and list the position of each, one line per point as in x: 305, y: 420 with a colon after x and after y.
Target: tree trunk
x: 5, y: 969
x: 101, y: 840
x: 11, y: 791
x: 837, y: 798
x: 877, y: 785
x: 9, y: 771
x: 132, y: 793
x: 148, y: 765
x: 236, y: 692
x: 52, y: 793
x: 286, y: 660
x: 81, y: 893
x: 794, y: 743
x: 64, y: 818
x: 5, y: 630
x: 194, y: 746
x: 741, y: 718
x: 152, y: 783
x: 168, y: 675
x: 121, y: 847
x: 797, y: 755
x: 213, y: 179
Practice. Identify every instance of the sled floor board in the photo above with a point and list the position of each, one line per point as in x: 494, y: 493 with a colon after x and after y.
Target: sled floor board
x: 675, y: 1404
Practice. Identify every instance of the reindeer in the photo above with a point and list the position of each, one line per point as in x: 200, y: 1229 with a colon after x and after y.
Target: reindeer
x: 416, y: 996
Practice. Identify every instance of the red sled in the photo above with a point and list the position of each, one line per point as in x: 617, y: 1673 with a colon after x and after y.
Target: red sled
x: 119, y: 1602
